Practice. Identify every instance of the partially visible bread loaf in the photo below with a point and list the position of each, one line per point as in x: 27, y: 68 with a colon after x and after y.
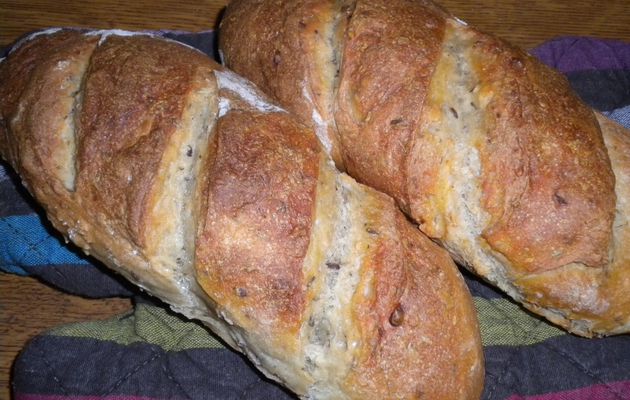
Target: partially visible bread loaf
x: 181, y: 176
x: 488, y: 150
x: 588, y: 292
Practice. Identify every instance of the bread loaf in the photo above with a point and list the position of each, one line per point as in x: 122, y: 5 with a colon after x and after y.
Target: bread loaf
x: 184, y: 178
x: 488, y: 150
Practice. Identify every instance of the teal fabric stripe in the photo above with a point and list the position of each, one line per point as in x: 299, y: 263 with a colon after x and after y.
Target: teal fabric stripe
x: 25, y: 241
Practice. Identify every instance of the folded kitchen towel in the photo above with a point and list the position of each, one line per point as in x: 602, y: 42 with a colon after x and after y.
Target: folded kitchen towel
x: 151, y: 353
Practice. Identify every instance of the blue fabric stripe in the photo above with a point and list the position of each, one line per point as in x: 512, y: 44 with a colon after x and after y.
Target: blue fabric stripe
x: 27, y: 242
x: 621, y: 115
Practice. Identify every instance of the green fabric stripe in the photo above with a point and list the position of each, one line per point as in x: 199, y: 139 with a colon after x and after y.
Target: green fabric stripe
x: 504, y: 323
x: 150, y: 324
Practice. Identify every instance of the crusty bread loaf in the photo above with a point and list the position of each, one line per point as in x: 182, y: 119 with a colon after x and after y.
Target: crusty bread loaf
x: 487, y: 149
x: 181, y: 176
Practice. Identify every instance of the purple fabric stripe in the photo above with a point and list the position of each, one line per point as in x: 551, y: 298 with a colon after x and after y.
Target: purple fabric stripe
x: 609, y: 391
x: 22, y: 396
x: 569, y: 54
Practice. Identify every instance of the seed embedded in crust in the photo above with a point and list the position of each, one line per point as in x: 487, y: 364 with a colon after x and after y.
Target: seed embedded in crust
x: 560, y: 200
x: 277, y: 59
x: 397, y: 317
x: 454, y: 112
x: 396, y: 121
x: 332, y: 265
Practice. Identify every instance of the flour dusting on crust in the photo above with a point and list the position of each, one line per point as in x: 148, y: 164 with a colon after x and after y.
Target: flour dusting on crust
x: 224, y: 106
x: 105, y: 33
x: 246, y: 90
x: 459, y: 21
x: 321, y: 128
x: 31, y: 37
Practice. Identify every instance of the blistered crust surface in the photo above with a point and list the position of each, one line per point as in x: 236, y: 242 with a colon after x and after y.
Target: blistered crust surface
x: 415, y: 316
x: 133, y: 97
x: 292, y: 57
x: 62, y: 62
x: 595, y: 300
x: 389, y: 53
x: 460, y: 134
x: 258, y: 220
x: 40, y: 82
x: 547, y: 181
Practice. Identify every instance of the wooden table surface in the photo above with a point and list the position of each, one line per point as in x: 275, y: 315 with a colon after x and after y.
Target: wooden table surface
x: 28, y: 307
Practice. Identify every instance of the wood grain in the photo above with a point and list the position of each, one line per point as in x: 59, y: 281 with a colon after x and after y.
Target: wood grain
x: 18, y: 17
x: 529, y: 23
x: 526, y: 24
x: 27, y: 307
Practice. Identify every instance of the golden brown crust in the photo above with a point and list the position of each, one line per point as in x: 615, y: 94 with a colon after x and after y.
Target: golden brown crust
x: 261, y: 194
x: 617, y: 284
x: 413, y: 283
x: 547, y: 182
x: 597, y: 299
x: 58, y: 60
x: 388, y: 59
x: 270, y: 58
x: 133, y: 97
x: 37, y: 84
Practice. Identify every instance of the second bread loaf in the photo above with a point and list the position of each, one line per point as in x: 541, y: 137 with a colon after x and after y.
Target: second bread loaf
x: 488, y: 150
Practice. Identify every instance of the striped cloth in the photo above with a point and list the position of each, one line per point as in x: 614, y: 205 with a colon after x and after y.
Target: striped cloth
x: 151, y: 353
